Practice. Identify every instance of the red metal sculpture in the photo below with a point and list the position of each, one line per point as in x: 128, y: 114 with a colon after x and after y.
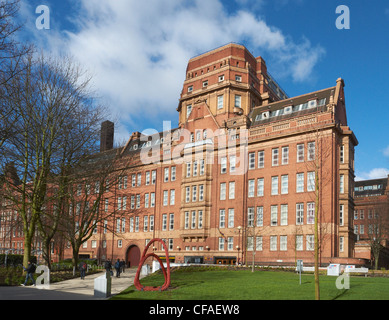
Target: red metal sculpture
x: 166, y: 274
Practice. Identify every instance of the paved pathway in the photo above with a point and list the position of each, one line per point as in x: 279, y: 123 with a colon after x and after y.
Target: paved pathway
x: 74, y: 289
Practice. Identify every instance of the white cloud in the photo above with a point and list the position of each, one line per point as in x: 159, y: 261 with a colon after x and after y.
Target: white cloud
x: 375, y: 173
x: 138, y: 51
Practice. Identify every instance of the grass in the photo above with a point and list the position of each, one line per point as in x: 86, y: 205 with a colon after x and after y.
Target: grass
x: 209, y: 284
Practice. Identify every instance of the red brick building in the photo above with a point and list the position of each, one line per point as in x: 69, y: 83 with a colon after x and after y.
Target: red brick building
x: 371, y: 219
x: 236, y: 180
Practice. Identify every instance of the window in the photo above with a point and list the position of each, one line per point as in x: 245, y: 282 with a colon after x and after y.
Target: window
x: 186, y: 219
x: 238, y: 100
x: 232, y: 163
x: 261, y: 159
x: 151, y: 223
x: 187, y: 194
x: 250, y: 217
x: 145, y: 224
x: 299, y: 243
x: 310, y: 213
x: 285, y: 155
x: 341, y: 154
x: 221, y: 78
x: 190, y: 88
x: 273, y: 215
x: 274, y: 185
x: 310, y: 242
x: 258, y: 244
x: 194, y: 169
x: 172, y: 197
x: 193, y: 220
x: 284, y: 215
x: 260, y: 216
x: 194, y: 193
x: 238, y: 78
x: 147, y: 178
x: 284, y: 184
x: 273, y: 243
x: 274, y: 157
x: 153, y: 176
x: 341, y: 244
x: 138, y: 201
x: 341, y: 215
x: 136, y: 224
x: 299, y: 213
x: 341, y: 183
x: 251, y: 160
x: 200, y: 219
x: 311, y: 181
x: 165, y: 197
x: 230, y: 243
x: 166, y: 175
x: 251, y: 188
x: 231, y: 190
x: 205, y: 83
x: 221, y: 244
x: 260, y: 187
x: 133, y: 180
x: 152, y: 199
x: 311, y: 151
x: 223, y: 165
x: 202, y: 166
x: 300, y: 182
x: 283, y: 243
x: 164, y: 222
x: 250, y: 243
x: 201, y: 192
x: 220, y: 102
x: 173, y: 174
x: 139, y: 179
x: 222, y: 218
x: 300, y: 153
x: 188, y: 169
x: 231, y: 217
x: 223, y: 191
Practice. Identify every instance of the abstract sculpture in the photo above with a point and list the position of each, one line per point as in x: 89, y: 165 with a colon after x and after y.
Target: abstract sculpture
x: 166, y: 274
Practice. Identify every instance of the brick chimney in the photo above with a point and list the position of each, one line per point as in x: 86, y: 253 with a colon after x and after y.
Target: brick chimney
x: 106, y: 136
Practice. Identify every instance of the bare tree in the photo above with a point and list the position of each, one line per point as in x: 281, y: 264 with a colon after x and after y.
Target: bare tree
x: 50, y: 98
x: 378, y: 230
x: 11, y: 55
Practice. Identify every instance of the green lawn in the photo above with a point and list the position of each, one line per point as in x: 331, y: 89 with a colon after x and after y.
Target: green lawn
x: 221, y: 284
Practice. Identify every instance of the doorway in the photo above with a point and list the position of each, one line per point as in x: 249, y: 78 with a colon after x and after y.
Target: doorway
x: 133, y: 256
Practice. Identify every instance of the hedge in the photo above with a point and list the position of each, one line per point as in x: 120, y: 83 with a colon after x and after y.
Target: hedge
x: 14, y: 259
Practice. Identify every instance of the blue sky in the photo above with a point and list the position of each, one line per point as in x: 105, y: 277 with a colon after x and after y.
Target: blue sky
x: 137, y: 52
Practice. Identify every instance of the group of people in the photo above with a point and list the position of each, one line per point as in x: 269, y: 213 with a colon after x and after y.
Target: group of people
x: 119, y: 267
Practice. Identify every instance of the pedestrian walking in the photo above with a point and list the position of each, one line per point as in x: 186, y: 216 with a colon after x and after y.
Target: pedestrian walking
x: 82, y: 267
x: 108, y: 266
x: 122, y: 265
x: 30, y: 273
x: 117, y: 268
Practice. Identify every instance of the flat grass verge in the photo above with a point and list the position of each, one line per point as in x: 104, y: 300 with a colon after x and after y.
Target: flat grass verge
x: 221, y: 284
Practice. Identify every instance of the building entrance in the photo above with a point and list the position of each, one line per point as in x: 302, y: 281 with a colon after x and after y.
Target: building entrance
x: 133, y: 256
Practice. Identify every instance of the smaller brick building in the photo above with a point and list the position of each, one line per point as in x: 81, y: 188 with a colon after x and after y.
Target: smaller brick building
x: 371, y: 219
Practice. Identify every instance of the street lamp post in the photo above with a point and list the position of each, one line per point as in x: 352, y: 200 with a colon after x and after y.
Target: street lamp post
x: 239, y: 228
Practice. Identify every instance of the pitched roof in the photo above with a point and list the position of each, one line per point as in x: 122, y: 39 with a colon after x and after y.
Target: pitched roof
x: 291, y: 107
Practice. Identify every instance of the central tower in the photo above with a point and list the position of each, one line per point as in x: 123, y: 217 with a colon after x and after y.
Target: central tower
x: 227, y: 81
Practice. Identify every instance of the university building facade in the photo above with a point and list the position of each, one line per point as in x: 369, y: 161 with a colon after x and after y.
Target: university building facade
x: 241, y: 178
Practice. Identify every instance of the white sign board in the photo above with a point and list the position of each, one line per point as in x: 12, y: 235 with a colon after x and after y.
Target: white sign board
x: 333, y: 269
